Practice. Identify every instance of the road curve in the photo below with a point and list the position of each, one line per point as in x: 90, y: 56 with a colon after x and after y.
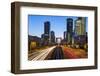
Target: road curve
x: 41, y: 55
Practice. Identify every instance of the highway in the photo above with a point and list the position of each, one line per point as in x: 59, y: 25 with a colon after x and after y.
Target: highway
x: 40, y: 55
x: 57, y: 53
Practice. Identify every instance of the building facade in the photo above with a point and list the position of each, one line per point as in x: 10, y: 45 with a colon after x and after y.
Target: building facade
x: 80, y: 31
x: 52, y: 37
x: 69, y: 30
x: 80, y: 26
x: 46, y: 36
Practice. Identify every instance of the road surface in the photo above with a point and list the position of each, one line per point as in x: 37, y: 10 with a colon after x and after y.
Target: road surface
x: 57, y: 53
x: 41, y: 55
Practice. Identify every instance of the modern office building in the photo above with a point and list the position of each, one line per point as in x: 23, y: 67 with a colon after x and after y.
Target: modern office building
x: 47, y: 27
x: 80, y: 31
x: 80, y: 26
x: 46, y: 35
x: 52, y: 37
x: 69, y: 30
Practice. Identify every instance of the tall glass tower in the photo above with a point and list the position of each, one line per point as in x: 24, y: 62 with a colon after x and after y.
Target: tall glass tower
x: 46, y: 32
x: 69, y: 30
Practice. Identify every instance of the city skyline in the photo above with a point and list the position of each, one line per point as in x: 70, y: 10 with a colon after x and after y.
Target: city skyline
x: 57, y: 24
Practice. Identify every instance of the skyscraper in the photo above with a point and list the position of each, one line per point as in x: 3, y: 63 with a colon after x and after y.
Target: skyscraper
x: 80, y: 26
x: 70, y: 25
x: 46, y: 32
x: 65, y: 35
x: 52, y: 37
x: 80, y: 31
x: 69, y: 30
x: 47, y: 27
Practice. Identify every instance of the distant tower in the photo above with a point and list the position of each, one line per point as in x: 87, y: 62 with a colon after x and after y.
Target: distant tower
x: 80, y: 26
x: 65, y: 35
x: 69, y: 30
x: 47, y: 27
x: 52, y: 36
x: 46, y: 32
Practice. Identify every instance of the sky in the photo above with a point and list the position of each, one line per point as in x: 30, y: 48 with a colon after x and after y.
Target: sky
x: 57, y: 24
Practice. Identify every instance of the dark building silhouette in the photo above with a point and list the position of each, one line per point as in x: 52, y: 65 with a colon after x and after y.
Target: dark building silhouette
x: 46, y: 35
x: 81, y: 39
x: 47, y: 27
x: 65, y: 35
x: 69, y: 30
x: 52, y: 36
x: 70, y: 25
